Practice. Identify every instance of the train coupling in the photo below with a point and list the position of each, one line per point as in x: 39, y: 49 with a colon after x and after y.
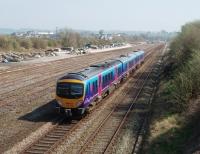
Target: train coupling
x: 68, y: 112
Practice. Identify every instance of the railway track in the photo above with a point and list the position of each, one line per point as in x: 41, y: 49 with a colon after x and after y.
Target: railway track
x: 61, y: 131
x: 41, y: 69
x: 34, y: 67
x: 41, y: 85
x: 47, y: 80
x: 140, y: 133
x: 103, y: 138
x: 37, y: 65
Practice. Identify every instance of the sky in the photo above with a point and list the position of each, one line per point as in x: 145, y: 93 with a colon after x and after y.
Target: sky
x: 125, y: 15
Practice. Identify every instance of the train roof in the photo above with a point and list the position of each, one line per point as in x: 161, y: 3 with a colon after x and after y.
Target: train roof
x: 123, y: 58
x: 139, y: 52
x: 106, y: 64
x: 98, y: 67
x: 91, y: 71
x: 136, y: 53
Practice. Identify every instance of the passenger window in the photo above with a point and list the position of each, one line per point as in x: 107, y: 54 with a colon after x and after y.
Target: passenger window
x: 112, y: 76
x: 93, y: 88
x: 88, y: 88
x: 103, y: 81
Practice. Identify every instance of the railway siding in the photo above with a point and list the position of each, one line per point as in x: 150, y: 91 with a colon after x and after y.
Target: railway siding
x: 35, y: 98
x: 77, y: 139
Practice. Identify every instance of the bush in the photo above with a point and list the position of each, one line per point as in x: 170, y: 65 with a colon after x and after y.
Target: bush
x: 26, y: 43
x: 52, y: 43
x: 39, y: 43
x: 184, y: 45
x: 5, y: 43
x: 185, y: 55
x: 186, y: 83
x: 15, y: 45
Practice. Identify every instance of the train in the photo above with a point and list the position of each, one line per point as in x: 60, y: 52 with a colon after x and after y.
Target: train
x: 77, y: 92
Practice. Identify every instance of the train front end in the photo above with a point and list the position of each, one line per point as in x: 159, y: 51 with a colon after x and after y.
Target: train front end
x: 70, y: 96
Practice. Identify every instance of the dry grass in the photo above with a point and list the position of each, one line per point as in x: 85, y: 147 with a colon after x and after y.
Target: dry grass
x: 164, y: 125
x: 171, y: 132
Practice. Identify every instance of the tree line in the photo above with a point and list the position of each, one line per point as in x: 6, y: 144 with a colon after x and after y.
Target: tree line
x: 67, y: 38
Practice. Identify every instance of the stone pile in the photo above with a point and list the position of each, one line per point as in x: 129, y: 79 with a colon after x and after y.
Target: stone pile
x: 17, y: 57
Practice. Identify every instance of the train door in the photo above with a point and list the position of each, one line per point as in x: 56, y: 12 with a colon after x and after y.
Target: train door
x: 100, y: 84
x: 87, y: 93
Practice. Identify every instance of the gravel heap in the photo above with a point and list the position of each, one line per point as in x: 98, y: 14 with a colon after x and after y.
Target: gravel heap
x: 17, y: 57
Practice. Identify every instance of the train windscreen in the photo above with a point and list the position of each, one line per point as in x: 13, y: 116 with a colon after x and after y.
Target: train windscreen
x: 69, y: 90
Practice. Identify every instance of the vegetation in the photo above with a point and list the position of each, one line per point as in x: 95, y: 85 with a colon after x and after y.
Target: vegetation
x: 21, y: 44
x: 66, y: 38
x: 175, y: 113
x: 184, y: 61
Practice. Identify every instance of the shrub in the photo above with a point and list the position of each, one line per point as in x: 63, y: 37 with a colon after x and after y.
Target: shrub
x: 187, y: 41
x: 186, y: 83
x: 26, y: 43
x: 5, y: 43
x: 39, y: 43
x: 15, y: 45
x: 185, y: 56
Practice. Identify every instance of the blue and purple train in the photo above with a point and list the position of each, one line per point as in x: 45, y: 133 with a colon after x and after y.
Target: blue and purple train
x: 77, y: 91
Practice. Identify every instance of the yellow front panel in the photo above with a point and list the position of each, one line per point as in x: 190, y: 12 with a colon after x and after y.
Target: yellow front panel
x: 70, y: 103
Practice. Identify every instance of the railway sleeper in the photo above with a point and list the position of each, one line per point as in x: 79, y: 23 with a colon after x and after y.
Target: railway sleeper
x: 46, y: 142
x: 34, y: 151
x: 57, y: 134
x: 103, y: 139
x: 53, y: 136
x: 63, y: 127
x: 43, y: 144
x: 50, y: 139
x: 60, y: 131
x: 90, y: 148
x: 39, y: 148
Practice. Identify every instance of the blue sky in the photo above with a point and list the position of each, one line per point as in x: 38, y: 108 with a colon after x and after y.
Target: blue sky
x: 145, y: 15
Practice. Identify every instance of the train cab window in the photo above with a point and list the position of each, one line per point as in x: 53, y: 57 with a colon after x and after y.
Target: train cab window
x: 70, y: 90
